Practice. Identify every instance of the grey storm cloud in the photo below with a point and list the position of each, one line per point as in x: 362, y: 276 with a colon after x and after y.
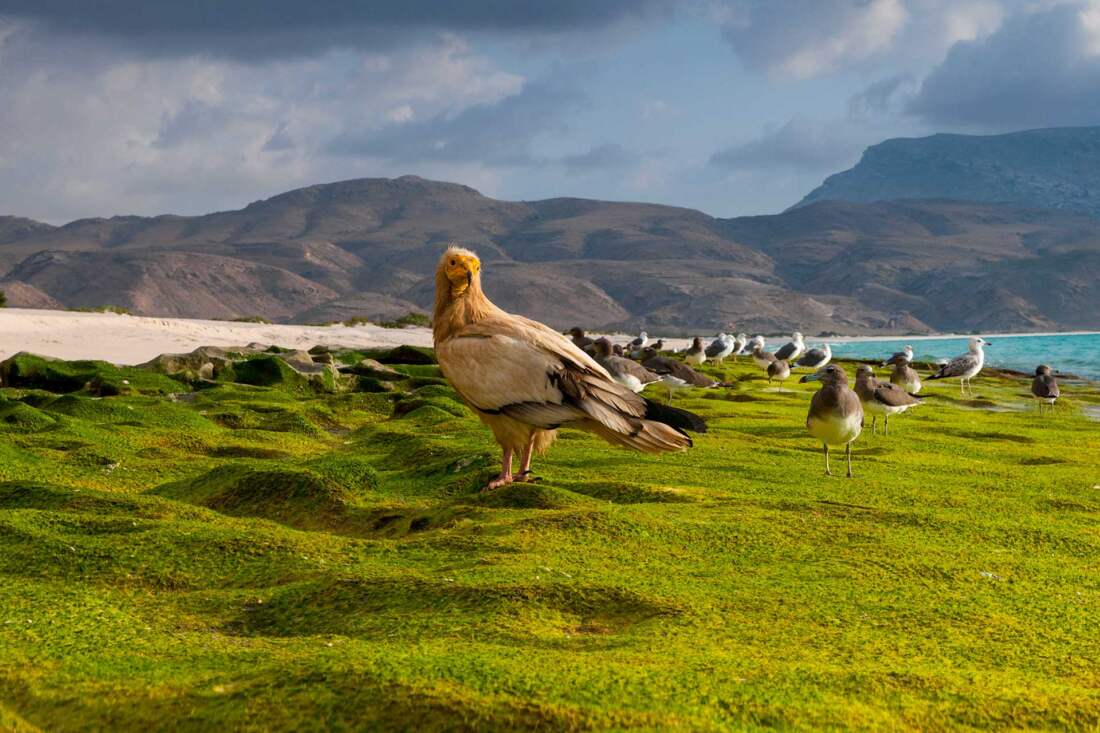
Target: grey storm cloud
x: 609, y: 156
x: 277, y: 28
x: 806, y: 38
x: 193, y: 120
x: 799, y: 145
x: 499, y: 133
x: 1039, y: 69
x: 883, y: 96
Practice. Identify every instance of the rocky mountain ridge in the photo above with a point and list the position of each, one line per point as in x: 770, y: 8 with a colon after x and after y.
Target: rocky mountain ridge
x: 367, y: 247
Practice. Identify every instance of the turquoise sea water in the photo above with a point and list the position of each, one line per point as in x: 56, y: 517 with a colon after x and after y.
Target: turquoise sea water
x: 1069, y: 353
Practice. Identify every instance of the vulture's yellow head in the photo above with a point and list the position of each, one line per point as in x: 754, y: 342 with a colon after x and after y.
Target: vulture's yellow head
x: 458, y: 271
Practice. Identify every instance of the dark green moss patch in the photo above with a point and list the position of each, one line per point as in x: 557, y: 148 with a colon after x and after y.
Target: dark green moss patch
x: 20, y: 417
x: 408, y: 355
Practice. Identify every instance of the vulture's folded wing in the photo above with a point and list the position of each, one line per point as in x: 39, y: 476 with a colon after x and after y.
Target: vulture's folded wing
x: 534, y: 375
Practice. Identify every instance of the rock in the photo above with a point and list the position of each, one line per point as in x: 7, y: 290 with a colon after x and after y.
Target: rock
x: 202, y: 363
x: 370, y: 384
x: 372, y: 368
x: 409, y: 355
x: 276, y: 371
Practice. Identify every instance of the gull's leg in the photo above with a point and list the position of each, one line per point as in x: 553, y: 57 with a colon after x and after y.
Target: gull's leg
x: 827, y: 471
x: 525, y: 463
x: 505, y: 476
x: 874, y: 424
x: 886, y: 425
x: 848, y: 455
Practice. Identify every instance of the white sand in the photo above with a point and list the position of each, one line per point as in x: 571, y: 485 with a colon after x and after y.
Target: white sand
x: 133, y: 340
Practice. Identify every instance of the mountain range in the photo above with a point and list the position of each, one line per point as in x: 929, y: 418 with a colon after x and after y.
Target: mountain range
x: 1052, y: 168
x: 367, y: 247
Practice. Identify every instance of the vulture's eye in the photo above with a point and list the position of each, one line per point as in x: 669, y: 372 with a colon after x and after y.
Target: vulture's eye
x: 452, y: 262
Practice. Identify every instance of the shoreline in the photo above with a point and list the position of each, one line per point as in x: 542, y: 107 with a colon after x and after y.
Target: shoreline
x: 128, y: 339
x: 946, y: 336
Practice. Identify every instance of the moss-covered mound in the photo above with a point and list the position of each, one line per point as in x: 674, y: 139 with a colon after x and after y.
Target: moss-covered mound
x: 30, y: 371
x: 354, y: 474
x: 19, y: 417
x: 408, y: 355
x: 276, y: 372
x: 292, y: 496
x: 273, y: 557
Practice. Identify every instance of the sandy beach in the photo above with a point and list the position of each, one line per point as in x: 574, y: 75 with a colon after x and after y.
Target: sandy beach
x: 123, y: 339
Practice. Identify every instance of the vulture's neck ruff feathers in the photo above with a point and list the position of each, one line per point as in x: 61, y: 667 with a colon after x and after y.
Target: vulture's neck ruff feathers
x: 458, y: 304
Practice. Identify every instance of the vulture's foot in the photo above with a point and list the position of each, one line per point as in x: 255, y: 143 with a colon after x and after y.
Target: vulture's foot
x: 499, y: 481
x: 527, y: 477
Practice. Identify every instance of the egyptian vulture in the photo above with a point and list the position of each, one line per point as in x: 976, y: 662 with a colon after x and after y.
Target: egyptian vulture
x: 524, y: 379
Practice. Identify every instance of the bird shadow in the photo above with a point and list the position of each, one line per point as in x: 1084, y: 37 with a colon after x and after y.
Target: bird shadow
x: 977, y: 435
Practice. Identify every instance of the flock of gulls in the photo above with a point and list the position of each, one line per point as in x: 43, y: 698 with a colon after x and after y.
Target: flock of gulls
x: 524, y: 380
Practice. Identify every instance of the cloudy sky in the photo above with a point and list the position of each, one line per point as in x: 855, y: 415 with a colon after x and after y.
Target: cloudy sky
x: 730, y: 106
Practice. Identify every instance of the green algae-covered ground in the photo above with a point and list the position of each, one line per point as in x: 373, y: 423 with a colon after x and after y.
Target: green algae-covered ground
x: 226, y: 556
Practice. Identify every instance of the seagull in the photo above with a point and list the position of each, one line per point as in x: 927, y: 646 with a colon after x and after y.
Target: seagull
x: 762, y: 358
x: 626, y: 372
x: 1045, y: 387
x: 904, y: 375
x: 907, y: 353
x: 674, y: 373
x: 779, y: 370
x: 836, y: 415
x: 793, y: 349
x: 739, y: 344
x: 752, y: 343
x: 639, y: 343
x: 965, y: 367
x: 579, y: 339
x: 816, y: 358
x: 695, y: 355
x: 720, y: 348
x: 656, y: 345
x: 881, y: 398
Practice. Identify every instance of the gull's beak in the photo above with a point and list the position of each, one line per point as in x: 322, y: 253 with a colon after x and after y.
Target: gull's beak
x: 815, y: 377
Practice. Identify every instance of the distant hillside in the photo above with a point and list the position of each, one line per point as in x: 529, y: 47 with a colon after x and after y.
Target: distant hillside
x: 1056, y: 168
x: 367, y: 248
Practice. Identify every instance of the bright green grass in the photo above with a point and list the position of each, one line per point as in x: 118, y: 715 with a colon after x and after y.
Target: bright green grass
x: 247, y: 558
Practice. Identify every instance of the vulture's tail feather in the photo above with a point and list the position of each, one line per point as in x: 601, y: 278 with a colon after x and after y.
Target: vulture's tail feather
x: 674, y: 417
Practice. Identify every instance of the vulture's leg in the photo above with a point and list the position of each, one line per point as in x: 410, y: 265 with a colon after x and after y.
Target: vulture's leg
x: 505, y: 476
x: 525, y: 463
